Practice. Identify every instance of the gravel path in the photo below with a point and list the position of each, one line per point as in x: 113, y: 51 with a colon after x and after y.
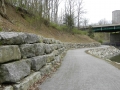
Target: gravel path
x: 80, y: 71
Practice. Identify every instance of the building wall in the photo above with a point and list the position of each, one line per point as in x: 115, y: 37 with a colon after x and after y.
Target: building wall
x: 116, y: 17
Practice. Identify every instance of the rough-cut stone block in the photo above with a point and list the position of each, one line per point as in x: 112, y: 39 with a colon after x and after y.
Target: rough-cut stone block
x: 7, y: 88
x: 49, y: 57
x: 11, y: 38
x: 41, y: 38
x: 31, y: 38
x: 28, y: 81
x: 15, y: 71
x: 53, y: 41
x: 57, y: 58
x: 52, y: 47
x: 61, y: 50
x: 49, y: 40
x: 39, y: 48
x: 9, y: 53
x: 63, y: 54
x: 48, y: 49
x: 55, y: 52
x: 38, y: 62
x: 27, y: 50
x: 55, y: 46
x: 32, y: 50
x: 58, y: 42
x: 58, y: 46
x: 46, y: 70
x: 53, y: 63
x: 46, y: 41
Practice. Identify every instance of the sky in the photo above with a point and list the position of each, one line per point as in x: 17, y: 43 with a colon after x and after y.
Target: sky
x: 100, y: 9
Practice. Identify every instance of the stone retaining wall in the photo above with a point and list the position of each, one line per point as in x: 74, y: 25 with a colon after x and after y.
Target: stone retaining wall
x: 104, y: 53
x: 25, y: 58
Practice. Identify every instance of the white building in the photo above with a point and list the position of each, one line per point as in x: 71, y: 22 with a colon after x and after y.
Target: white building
x: 116, y: 17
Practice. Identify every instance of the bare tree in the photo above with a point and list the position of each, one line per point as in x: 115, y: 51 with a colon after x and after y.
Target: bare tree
x: 69, y: 14
x: 103, y: 22
x: 56, y: 5
x: 3, y: 10
x: 85, y: 23
x: 70, y: 7
x: 80, y: 12
x: 2, y: 7
x: 46, y: 9
x: 75, y: 9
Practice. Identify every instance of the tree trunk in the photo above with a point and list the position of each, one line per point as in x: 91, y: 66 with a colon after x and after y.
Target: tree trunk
x: 3, y: 10
x: 2, y: 7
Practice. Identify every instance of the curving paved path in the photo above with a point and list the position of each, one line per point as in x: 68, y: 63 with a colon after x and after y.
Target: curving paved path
x: 80, y: 71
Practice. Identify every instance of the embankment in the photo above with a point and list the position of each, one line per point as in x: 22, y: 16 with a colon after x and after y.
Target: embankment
x: 104, y: 53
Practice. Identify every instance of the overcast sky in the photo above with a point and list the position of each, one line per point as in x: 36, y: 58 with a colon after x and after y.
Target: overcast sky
x: 100, y: 9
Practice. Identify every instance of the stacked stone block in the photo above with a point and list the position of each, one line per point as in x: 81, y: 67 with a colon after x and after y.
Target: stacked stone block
x: 25, y: 58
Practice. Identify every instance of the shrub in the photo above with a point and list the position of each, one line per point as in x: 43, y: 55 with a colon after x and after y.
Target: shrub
x: 30, y: 20
x: 76, y: 31
x: 53, y: 25
x: 59, y: 27
x: 100, y: 41
x: 64, y: 27
x: 0, y: 29
x: 46, y: 22
x: 90, y: 32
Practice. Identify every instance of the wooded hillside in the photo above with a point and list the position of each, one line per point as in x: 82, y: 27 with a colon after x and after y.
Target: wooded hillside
x: 23, y: 19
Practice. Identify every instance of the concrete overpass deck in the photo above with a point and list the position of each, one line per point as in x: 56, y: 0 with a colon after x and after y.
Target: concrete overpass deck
x: 106, y: 28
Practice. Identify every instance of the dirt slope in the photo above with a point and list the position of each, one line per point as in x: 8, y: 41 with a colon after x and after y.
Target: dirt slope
x: 19, y: 24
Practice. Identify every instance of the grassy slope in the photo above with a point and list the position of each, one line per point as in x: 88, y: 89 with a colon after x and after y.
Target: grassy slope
x: 20, y: 24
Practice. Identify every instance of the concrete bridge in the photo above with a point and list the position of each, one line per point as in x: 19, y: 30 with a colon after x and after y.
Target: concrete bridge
x: 113, y: 29
x: 106, y: 28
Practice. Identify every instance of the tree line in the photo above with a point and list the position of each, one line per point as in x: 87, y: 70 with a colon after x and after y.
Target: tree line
x: 70, y: 15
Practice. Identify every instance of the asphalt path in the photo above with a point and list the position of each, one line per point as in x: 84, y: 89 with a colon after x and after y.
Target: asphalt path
x: 81, y: 71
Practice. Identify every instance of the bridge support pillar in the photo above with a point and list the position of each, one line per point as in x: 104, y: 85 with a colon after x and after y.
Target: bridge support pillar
x: 115, y: 39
